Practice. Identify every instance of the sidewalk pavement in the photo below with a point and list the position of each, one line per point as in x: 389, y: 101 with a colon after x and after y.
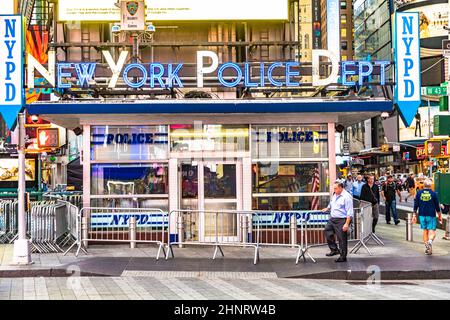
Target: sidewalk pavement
x: 398, y: 259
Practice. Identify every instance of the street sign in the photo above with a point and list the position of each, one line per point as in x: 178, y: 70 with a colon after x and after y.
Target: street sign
x: 48, y: 138
x: 396, y: 148
x: 434, y: 91
x: 346, y: 148
x: 446, y: 48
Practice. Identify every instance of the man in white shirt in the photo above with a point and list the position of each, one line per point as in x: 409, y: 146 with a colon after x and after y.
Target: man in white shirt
x: 341, y: 214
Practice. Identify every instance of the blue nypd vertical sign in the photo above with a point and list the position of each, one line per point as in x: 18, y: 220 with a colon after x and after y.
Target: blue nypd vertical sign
x: 407, y: 60
x: 11, y: 67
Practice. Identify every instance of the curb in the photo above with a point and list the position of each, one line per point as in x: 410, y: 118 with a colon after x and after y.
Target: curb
x: 384, y: 275
x: 27, y: 273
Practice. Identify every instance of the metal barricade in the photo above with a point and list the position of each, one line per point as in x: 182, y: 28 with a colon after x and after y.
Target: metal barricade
x: 8, y: 220
x: 281, y: 228
x: 314, y: 227
x: 255, y: 229
x: 48, y: 227
x: 113, y: 225
x: 364, y: 220
x: 73, y: 197
x: 220, y: 228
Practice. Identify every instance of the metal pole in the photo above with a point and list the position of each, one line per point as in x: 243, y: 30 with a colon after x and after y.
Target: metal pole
x: 293, y: 227
x: 133, y: 232
x: 447, y: 228
x: 22, y: 246
x: 430, y: 135
x: 409, y: 227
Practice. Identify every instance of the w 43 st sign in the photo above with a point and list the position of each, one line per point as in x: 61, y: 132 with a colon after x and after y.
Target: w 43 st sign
x: 434, y: 91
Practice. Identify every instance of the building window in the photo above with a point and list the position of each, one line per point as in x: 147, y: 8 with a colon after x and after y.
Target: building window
x: 343, y: 5
x: 290, y: 167
x: 343, y: 33
x: 343, y: 18
x: 344, y: 45
x: 129, y: 167
x: 222, y: 138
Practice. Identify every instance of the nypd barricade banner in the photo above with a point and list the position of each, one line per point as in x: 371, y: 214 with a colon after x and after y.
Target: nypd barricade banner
x: 11, y: 66
x: 157, y: 219
x: 282, y: 219
x: 122, y: 219
x: 407, y: 60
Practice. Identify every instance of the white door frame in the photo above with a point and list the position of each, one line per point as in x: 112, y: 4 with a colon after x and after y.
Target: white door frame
x: 201, y: 193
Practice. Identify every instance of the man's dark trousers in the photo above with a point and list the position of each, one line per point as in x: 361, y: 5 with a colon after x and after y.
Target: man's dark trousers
x: 334, y: 227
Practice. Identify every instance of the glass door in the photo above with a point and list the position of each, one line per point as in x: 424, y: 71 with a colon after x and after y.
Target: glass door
x: 211, y: 186
x: 220, y: 194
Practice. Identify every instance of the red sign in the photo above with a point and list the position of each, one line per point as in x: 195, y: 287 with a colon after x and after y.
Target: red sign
x: 48, y: 138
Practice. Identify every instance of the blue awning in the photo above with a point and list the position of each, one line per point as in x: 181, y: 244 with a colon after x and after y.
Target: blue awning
x: 209, y: 106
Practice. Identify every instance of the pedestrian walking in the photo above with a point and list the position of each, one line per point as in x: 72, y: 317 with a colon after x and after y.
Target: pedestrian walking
x: 357, y: 186
x: 348, y: 184
x: 411, y: 185
x: 388, y: 193
x: 370, y: 192
x: 341, y: 214
x: 426, y: 203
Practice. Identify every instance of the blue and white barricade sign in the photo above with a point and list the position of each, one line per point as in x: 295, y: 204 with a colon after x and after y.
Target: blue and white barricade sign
x: 282, y: 218
x: 122, y: 219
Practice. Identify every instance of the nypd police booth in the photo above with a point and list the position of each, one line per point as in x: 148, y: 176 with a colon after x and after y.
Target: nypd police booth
x: 271, y: 154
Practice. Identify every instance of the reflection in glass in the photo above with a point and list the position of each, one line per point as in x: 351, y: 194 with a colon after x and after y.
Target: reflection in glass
x: 220, y: 181
x: 226, y: 224
x: 222, y: 138
x: 290, y: 203
x: 130, y: 202
x: 189, y: 181
x: 290, y: 177
x: 129, y: 179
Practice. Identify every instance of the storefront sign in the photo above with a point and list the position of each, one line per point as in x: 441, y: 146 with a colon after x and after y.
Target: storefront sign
x: 299, y: 136
x: 167, y: 76
x: 125, y: 138
x: 407, y: 59
x: 123, y: 219
x: 11, y: 66
x: 420, y: 153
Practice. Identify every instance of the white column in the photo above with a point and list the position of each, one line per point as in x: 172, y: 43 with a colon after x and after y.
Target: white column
x: 247, y: 184
x: 331, y: 154
x: 173, y: 193
x: 22, y: 247
x: 86, y: 152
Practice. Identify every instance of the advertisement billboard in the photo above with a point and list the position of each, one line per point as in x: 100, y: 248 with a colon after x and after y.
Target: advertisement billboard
x: 421, y: 126
x: 9, y: 170
x: 333, y: 25
x: 433, y: 17
x: 177, y: 10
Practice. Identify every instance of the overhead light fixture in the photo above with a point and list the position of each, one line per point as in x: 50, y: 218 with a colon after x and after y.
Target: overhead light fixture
x: 384, y: 115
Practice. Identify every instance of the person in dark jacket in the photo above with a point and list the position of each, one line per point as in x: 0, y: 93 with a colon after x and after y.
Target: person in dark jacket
x: 388, y: 192
x: 427, y: 203
x: 370, y: 192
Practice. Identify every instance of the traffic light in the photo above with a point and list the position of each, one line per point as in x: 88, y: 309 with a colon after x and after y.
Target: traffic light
x: 433, y: 148
x: 385, y: 148
x: 48, y: 137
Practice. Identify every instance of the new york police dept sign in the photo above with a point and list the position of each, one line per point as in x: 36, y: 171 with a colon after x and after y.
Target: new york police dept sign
x: 11, y: 67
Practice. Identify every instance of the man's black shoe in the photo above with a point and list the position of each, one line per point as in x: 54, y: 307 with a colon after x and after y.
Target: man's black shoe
x: 341, y: 259
x: 388, y: 222
x: 332, y: 253
x: 397, y: 222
